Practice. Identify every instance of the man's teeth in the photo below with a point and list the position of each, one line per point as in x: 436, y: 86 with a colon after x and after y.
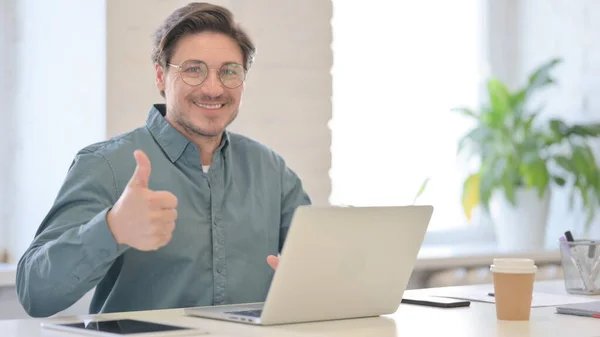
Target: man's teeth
x: 209, y: 106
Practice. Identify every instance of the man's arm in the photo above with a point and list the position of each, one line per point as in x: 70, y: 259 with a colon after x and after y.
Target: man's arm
x: 293, y: 195
x: 73, y: 247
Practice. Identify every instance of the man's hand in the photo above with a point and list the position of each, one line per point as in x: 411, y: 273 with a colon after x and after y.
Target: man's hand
x: 273, y: 261
x: 142, y: 218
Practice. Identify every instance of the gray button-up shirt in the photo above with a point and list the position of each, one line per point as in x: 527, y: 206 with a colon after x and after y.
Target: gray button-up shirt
x: 230, y: 219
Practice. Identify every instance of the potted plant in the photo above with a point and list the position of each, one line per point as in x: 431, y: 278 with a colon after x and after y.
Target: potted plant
x: 521, y: 156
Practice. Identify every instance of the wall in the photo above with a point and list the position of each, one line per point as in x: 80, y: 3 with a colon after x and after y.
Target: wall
x: 571, y: 30
x: 81, y: 78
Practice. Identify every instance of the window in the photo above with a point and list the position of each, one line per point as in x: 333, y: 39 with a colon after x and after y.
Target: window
x: 399, y: 67
x: 6, y: 143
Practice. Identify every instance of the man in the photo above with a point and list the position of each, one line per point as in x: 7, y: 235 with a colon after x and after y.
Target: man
x: 178, y: 212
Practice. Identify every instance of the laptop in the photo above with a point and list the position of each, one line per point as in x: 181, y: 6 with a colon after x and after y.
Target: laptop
x: 337, y: 263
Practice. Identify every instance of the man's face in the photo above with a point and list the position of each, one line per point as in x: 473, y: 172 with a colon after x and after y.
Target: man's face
x: 205, y: 109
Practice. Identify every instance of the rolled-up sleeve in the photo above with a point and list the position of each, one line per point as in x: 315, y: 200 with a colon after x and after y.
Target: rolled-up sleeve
x: 73, y: 247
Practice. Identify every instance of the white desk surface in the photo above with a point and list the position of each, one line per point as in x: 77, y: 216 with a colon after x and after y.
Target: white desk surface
x: 410, y: 320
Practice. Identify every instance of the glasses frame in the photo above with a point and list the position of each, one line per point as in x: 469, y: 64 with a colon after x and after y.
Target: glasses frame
x: 180, y: 69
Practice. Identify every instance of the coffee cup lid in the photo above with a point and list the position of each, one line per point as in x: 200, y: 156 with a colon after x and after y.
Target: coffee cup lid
x: 513, y: 265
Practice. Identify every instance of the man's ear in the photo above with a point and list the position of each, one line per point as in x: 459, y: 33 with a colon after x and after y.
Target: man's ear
x: 160, y: 77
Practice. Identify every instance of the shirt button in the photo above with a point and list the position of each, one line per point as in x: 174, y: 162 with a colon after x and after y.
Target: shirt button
x: 219, y: 269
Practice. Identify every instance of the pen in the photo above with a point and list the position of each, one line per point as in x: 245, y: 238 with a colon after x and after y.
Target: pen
x: 569, y: 236
x: 572, y: 254
x: 592, y: 250
x: 591, y: 247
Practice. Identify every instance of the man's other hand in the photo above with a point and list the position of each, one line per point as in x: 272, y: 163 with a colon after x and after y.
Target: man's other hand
x: 273, y: 261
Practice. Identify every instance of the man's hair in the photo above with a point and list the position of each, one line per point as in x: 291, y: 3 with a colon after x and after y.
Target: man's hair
x: 194, y: 18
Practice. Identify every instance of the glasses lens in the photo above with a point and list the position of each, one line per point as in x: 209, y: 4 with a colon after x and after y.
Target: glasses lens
x: 193, y: 72
x: 232, y: 75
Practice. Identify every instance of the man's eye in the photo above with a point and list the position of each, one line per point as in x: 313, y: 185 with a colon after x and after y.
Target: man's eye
x: 194, y: 70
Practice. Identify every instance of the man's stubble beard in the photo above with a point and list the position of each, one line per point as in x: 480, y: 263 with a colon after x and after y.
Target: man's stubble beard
x: 192, y: 130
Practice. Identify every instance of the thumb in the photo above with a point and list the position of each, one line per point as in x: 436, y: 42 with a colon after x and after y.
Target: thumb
x: 141, y: 175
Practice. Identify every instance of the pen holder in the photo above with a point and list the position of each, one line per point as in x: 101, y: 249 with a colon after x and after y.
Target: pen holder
x: 581, y: 266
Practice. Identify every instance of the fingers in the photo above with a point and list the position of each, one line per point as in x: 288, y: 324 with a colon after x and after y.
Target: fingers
x: 158, y: 236
x: 273, y: 261
x: 162, y: 200
x: 163, y: 216
x: 141, y: 175
x: 163, y: 240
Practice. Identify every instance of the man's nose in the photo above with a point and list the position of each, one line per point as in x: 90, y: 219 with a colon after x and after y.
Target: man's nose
x: 212, y: 86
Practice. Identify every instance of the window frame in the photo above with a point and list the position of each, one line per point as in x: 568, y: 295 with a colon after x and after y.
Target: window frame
x: 7, y: 40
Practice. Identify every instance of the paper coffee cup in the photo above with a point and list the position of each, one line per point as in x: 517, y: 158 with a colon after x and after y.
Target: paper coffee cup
x: 513, y: 288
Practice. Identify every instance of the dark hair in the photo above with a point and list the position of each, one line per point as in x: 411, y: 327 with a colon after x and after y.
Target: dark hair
x: 198, y: 17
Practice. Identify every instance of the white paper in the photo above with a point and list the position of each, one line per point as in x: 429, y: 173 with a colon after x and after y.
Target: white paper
x: 538, y: 299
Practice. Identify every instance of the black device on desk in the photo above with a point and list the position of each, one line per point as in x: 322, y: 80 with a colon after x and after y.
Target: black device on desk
x: 123, y: 327
x: 438, y: 302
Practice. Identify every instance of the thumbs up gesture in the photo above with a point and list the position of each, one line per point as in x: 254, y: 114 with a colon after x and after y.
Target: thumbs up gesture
x: 142, y: 218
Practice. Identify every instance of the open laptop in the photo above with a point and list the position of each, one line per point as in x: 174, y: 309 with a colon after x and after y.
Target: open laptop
x: 336, y: 263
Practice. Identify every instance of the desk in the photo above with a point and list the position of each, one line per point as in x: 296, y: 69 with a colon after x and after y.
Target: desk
x: 477, y: 320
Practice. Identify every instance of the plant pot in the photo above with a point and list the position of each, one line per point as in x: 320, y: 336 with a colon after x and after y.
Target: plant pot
x: 521, y: 227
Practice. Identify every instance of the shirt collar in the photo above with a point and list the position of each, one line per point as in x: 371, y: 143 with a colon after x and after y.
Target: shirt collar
x: 169, y: 138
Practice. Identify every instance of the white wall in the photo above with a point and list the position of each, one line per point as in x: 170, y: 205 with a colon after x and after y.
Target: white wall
x: 571, y: 30
x: 84, y: 73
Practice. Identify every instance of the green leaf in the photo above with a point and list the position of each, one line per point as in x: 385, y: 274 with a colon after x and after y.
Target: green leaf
x: 538, y: 175
x: 585, y: 130
x: 529, y: 122
x: 580, y: 161
x: 465, y: 111
x: 509, y: 190
x: 541, y: 76
x: 475, y: 136
x: 518, y: 100
x: 486, y: 188
x: 564, y: 162
x: 558, y: 127
x: 591, y: 215
x: 559, y: 181
x: 583, y: 192
x: 421, y: 189
x: 500, y: 100
x: 489, y: 179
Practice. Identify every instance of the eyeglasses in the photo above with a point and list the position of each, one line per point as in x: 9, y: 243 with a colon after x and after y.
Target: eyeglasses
x: 193, y: 72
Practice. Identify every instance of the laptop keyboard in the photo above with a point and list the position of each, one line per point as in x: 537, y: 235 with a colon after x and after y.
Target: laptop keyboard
x: 251, y: 313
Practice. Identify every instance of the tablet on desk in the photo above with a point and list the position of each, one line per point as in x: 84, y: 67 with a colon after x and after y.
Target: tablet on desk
x: 123, y: 327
